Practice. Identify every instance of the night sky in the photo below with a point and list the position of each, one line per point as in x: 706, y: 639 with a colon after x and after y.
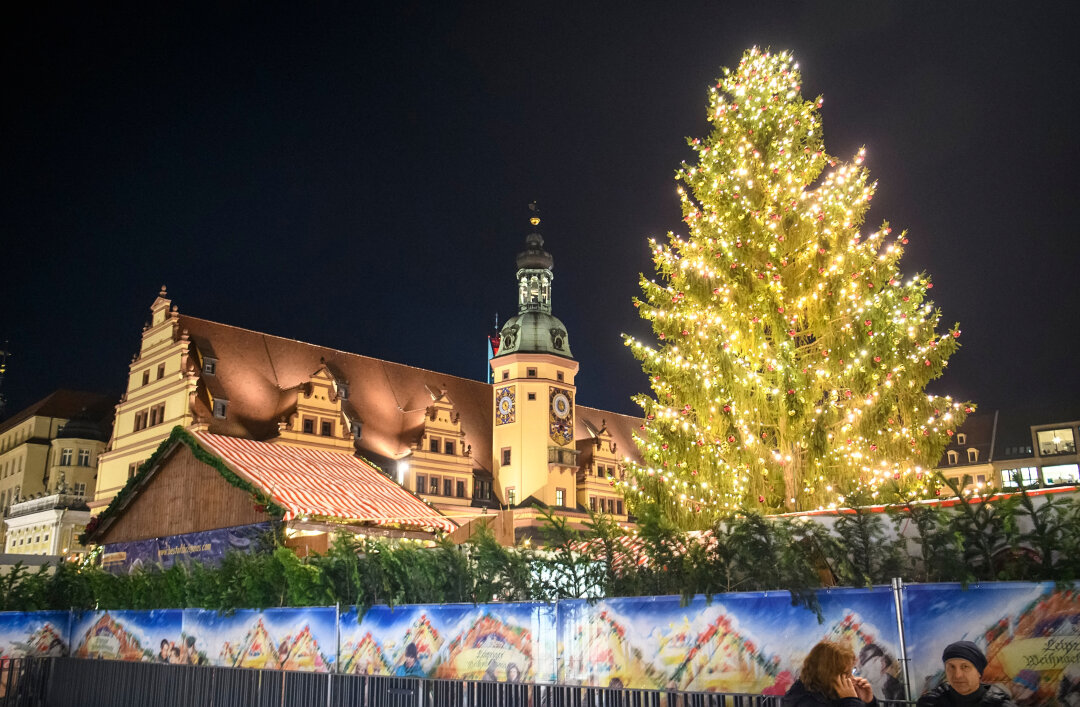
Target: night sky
x: 359, y: 178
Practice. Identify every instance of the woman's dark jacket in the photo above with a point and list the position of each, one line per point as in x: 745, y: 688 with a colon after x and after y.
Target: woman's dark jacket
x: 800, y: 696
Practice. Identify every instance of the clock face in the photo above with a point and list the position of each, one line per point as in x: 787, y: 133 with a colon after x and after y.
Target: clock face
x: 560, y: 405
x: 504, y: 405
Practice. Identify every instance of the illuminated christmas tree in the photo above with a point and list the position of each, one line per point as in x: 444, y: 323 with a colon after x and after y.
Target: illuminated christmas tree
x: 793, y: 356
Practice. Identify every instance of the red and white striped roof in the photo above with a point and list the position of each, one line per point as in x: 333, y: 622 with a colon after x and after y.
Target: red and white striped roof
x: 312, y: 482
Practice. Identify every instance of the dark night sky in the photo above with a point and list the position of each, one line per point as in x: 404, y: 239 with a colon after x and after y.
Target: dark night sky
x: 358, y: 178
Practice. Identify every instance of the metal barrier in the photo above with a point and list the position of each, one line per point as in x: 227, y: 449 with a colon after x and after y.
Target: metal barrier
x: 72, y: 682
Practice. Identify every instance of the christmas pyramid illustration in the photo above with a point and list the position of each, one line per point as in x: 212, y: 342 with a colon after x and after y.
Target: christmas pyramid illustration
x: 722, y: 660
x: 427, y: 641
x: 256, y: 651
x: 365, y: 658
x: 1037, y: 629
x: 601, y: 654
x: 39, y: 642
x: 470, y: 654
x: 107, y: 638
x: 304, y: 654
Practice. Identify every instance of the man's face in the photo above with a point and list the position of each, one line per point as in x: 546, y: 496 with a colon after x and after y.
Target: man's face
x: 962, y: 675
x: 873, y: 669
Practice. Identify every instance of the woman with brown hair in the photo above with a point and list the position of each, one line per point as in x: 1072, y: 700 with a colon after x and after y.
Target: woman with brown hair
x: 826, y: 680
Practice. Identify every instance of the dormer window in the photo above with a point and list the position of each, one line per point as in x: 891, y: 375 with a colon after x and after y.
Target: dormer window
x: 953, y: 457
x: 209, y: 366
x: 973, y: 455
x: 961, y: 438
x: 221, y: 408
x: 343, y: 391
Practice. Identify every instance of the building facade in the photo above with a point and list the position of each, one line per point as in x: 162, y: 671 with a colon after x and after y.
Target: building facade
x: 468, y: 448
x: 993, y: 453
x: 48, y: 469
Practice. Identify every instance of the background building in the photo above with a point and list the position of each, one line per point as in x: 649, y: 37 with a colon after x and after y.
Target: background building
x: 48, y: 469
x: 992, y: 449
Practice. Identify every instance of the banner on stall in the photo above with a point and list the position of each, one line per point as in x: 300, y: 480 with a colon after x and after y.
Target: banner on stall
x: 207, y: 547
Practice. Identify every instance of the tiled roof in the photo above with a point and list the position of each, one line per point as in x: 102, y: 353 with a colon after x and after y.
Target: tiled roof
x: 311, y: 482
x: 261, y: 376
x: 65, y: 404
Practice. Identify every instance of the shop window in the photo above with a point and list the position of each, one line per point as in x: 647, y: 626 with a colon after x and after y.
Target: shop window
x: 461, y: 489
x: 1058, y: 441
x: 1029, y: 476
x: 448, y: 448
x: 1061, y: 474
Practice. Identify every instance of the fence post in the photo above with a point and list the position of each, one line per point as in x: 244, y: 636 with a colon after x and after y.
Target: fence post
x: 898, y: 589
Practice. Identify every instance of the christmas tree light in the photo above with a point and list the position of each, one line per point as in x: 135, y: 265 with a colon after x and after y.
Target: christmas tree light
x: 793, y: 356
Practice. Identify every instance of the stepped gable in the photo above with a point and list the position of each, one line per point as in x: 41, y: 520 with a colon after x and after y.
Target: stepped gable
x: 365, y: 658
x: 257, y: 650
x: 127, y: 644
x: 304, y: 653
x: 723, y: 659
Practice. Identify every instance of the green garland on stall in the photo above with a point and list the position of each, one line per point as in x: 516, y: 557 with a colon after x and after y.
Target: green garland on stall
x: 212, y: 460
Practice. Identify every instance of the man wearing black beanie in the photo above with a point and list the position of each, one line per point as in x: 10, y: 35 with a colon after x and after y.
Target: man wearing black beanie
x: 964, y: 665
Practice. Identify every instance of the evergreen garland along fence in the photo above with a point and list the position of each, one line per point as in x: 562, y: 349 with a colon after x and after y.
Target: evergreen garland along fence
x: 1025, y: 537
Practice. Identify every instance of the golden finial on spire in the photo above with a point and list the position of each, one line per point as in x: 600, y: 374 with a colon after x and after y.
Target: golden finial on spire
x: 535, y: 218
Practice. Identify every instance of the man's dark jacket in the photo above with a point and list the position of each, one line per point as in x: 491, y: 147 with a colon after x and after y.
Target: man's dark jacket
x: 945, y: 696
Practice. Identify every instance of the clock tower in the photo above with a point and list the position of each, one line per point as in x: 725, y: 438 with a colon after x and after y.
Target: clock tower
x: 533, y: 441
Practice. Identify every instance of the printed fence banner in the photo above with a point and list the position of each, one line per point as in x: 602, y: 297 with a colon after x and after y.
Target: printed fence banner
x: 749, y: 642
x: 1030, y: 633
x: 128, y: 635
x: 207, y: 547
x: 39, y: 633
x: 504, y: 642
x: 286, y: 639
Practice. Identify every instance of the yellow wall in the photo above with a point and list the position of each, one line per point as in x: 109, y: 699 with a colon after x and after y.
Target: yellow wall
x: 161, y: 345
x: 528, y: 436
